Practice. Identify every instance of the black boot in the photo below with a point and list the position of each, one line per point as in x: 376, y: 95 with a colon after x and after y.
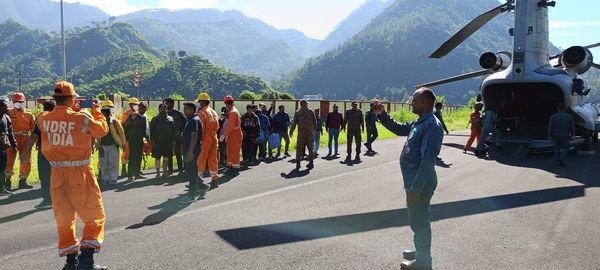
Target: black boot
x: 310, y: 165
x: 5, y: 188
x: 297, y: 164
x: 86, y: 260
x: 71, y: 263
x: 23, y: 184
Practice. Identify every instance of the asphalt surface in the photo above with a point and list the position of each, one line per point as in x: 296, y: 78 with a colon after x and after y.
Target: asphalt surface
x: 510, y: 213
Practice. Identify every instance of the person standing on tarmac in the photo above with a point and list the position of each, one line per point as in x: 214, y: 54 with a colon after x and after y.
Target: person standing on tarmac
x: 191, y: 141
x: 66, y: 142
x: 318, y: 133
x: 162, y: 134
x: 560, y: 130
x: 133, y: 107
x: 371, y: 123
x: 136, y: 127
x: 488, y: 131
x: 333, y: 123
x: 475, y: 122
x: 223, y: 143
x: 210, y: 143
x: 180, y: 121
x: 7, y: 142
x: 232, y: 135
x: 22, y: 124
x: 265, y: 129
x: 438, y: 114
x: 281, y: 122
x: 305, y: 119
x: 43, y: 165
x: 417, y: 163
x: 251, y: 131
x: 354, y: 124
x: 109, y: 145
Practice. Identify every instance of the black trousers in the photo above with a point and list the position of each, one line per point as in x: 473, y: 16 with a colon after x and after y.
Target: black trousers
x: 136, y: 150
x: 372, y: 135
x: 3, y: 180
x: 44, y: 174
x: 249, y: 148
x: 356, y: 136
x: 178, y: 156
x: 222, y: 153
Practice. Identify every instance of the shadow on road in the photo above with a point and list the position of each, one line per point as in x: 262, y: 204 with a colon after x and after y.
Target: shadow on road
x: 295, y: 174
x: 20, y: 215
x: 22, y: 196
x: 166, y: 210
x: 305, y: 230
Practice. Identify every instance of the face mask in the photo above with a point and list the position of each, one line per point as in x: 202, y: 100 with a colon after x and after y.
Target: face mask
x: 199, y: 105
x: 18, y: 105
x: 136, y: 107
x: 112, y: 110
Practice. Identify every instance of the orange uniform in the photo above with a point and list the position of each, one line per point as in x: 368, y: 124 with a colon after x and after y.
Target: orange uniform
x: 66, y: 139
x: 233, y: 133
x: 210, y: 142
x: 22, y: 124
x: 125, y: 154
x: 475, y: 121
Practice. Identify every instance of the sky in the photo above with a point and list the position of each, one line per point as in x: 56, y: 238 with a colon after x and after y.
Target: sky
x: 572, y: 22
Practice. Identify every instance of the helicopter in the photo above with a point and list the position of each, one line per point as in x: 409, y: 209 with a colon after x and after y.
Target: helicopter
x: 523, y: 86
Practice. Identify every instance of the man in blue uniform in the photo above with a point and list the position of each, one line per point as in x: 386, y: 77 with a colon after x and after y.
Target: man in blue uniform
x: 560, y: 130
x: 417, y: 165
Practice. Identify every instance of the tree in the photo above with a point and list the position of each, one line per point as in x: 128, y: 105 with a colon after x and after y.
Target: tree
x: 248, y: 95
x: 176, y: 96
x: 182, y: 53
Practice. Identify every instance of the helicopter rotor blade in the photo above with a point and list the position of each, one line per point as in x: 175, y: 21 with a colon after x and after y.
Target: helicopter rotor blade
x: 586, y: 47
x: 469, y: 29
x: 456, y: 78
x: 596, y: 65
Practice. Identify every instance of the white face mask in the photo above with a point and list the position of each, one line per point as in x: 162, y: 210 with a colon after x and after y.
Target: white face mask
x: 112, y: 110
x: 136, y: 107
x: 18, y: 105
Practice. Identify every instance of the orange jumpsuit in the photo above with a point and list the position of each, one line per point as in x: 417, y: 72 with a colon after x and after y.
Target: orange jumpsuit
x: 66, y: 142
x: 210, y: 142
x: 233, y: 133
x: 125, y: 154
x: 22, y: 124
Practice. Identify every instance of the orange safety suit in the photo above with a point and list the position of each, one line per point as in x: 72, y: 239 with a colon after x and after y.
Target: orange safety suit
x: 66, y: 142
x: 125, y: 154
x: 234, y: 135
x: 210, y: 142
x: 22, y: 124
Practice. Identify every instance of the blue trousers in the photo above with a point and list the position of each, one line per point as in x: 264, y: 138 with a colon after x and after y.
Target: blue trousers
x: 316, y: 141
x: 334, y: 134
x: 418, y: 218
x: 561, y: 148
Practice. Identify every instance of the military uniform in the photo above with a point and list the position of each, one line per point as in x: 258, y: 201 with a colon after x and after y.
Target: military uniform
x: 180, y: 122
x: 162, y: 134
x: 7, y: 141
x: 307, y: 126
x: 417, y: 163
x: 135, y: 131
x: 372, y: 134
x: 560, y: 129
x: 354, y: 123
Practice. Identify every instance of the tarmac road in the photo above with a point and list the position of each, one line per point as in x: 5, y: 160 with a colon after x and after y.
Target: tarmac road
x: 512, y: 214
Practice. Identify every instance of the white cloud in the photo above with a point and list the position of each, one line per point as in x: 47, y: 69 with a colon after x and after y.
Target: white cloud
x: 112, y: 7
x: 188, y: 4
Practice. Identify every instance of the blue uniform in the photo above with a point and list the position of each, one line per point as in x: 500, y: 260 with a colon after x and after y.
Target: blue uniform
x: 417, y: 163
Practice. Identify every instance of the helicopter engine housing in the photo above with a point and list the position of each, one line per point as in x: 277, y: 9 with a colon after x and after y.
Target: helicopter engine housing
x: 495, y: 61
x: 577, y: 59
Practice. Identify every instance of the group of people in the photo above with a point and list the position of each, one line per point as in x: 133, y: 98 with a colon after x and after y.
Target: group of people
x: 201, y: 141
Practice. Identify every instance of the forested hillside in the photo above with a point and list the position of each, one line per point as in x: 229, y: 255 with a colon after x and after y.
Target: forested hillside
x: 390, y: 55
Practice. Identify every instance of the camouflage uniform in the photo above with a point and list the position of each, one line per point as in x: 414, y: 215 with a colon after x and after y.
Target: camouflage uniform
x: 307, y: 126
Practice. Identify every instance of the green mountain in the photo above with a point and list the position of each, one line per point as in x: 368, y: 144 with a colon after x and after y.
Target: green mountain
x: 227, y: 38
x: 45, y: 14
x: 353, y: 24
x: 102, y: 59
x: 390, y: 55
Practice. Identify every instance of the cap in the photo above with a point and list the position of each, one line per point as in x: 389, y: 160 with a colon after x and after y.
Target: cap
x: 64, y: 89
x: 134, y: 101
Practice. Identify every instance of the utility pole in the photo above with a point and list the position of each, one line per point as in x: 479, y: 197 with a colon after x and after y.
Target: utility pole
x: 64, y: 51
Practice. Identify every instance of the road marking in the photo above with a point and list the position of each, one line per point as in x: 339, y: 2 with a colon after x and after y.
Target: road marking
x: 209, y: 207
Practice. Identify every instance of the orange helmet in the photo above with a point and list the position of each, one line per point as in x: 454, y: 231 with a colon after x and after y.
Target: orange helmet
x: 228, y: 98
x: 18, y: 97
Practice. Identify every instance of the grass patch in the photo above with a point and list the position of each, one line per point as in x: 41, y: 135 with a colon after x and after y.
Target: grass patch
x: 456, y: 120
